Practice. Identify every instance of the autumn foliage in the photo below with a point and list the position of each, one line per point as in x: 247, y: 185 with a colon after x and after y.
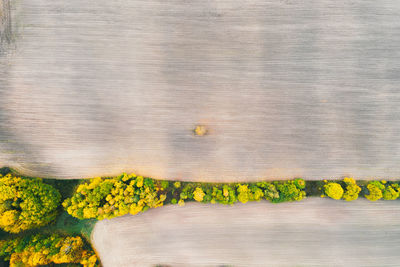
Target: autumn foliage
x: 36, y: 250
x: 382, y: 189
x: 346, y: 189
x: 108, y: 198
x: 105, y: 198
x: 26, y: 203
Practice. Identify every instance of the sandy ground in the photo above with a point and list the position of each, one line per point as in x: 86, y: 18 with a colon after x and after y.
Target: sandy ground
x: 287, y: 88
x: 314, y: 232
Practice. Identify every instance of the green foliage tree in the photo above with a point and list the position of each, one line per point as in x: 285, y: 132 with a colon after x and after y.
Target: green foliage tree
x: 290, y: 190
x: 26, y: 203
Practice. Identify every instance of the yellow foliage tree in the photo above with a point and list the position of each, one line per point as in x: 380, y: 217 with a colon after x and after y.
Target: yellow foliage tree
x: 333, y: 190
x: 198, y: 194
x: 41, y: 250
x: 26, y: 203
x: 352, y: 189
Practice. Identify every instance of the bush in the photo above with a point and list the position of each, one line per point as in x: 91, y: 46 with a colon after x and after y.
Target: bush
x: 352, y: 189
x: 111, y: 197
x: 26, y: 203
x: 41, y: 249
x: 290, y: 190
x: 346, y: 189
x: 391, y: 192
x: 333, y: 190
x: 375, y: 189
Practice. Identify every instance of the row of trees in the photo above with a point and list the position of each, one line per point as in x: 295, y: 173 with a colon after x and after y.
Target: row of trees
x: 107, y: 198
x: 348, y: 190
x: 39, y: 249
x: 27, y: 203
x: 30, y: 203
x: 103, y: 198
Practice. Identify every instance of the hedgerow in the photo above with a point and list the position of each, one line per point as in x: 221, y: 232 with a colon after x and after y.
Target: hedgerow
x: 39, y: 249
x: 105, y: 198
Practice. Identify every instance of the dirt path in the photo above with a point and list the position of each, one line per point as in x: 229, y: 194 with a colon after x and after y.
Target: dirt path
x: 315, y: 232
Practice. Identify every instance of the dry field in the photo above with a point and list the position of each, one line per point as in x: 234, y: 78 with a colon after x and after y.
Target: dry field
x: 286, y: 88
x: 314, y: 232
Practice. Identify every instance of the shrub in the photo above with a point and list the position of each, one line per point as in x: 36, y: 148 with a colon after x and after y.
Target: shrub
x: 352, y: 189
x: 198, y: 194
x: 333, y: 190
x: 375, y: 189
x: 26, y: 203
x: 290, y: 190
x: 391, y: 192
x: 42, y: 249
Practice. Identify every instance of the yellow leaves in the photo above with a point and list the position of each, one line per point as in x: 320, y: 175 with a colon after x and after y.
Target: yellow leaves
x: 135, y: 209
x: 181, y: 203
x: 200, y: 130
x: 139, y: 181
x: 390, y: 192
x: 225, y: 192
x: 89, y: 259
x: 177, y: 184
x: 375, y: 193
x: 8, y: 218
x: 90, y: 212
x: 109, y: 197
x: 80, y: 188
x: 26, y: 203
x: 348, y: 180
x: 198, y: 194
x: 163, y: 197
x: 243, y: 191
x: 352, y: 189
x: 125, y: 177
x: 334, y: 190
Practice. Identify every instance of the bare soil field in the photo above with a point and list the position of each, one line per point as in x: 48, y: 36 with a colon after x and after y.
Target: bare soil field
x: 285, y: 88
x: 314, y: 232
